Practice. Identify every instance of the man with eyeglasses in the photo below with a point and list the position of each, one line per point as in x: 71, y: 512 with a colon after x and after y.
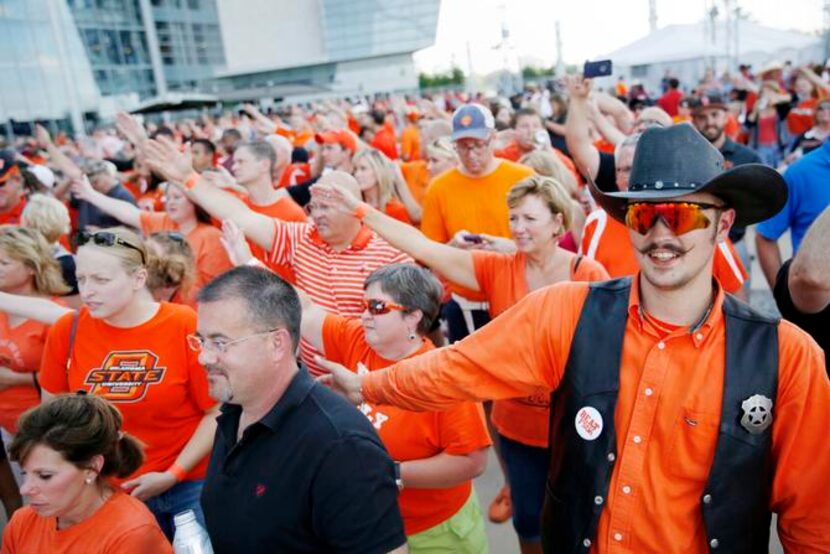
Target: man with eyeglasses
x: 294, y: 468
x: 681, y: 417
x: 330, y: 256
x: 465, y: 202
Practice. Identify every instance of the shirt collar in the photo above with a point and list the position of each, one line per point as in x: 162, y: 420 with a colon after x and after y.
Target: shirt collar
x: 359, y: 242
x: 297, y: 391
x: 699, y: 331
x: 729, y: 146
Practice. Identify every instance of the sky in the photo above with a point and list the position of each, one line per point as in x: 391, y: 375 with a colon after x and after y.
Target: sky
x: 589, y: 28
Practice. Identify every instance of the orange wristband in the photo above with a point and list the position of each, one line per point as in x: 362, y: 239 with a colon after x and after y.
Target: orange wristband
x: 362, y: 209
x: 178, y: 472
x: 192, y: 180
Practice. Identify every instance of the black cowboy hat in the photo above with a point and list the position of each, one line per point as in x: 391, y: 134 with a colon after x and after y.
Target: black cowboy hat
x: 676, y: 161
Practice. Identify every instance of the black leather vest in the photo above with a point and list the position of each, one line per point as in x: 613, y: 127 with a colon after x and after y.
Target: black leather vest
x: 735, y: 503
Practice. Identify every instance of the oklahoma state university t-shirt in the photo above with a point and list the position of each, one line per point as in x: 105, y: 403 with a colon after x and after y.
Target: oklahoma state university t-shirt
x: 148, y: 372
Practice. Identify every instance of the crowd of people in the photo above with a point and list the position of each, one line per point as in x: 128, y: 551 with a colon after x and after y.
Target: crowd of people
x: 309, y: 324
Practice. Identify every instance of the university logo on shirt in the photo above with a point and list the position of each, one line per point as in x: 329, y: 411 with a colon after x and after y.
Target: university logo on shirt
x: 125, y: 376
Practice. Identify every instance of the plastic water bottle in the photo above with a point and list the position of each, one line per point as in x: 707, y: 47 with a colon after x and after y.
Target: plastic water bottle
x: 190, y: 537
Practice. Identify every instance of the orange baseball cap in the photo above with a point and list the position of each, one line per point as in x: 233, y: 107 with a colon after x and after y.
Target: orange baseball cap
x: 340, y: 136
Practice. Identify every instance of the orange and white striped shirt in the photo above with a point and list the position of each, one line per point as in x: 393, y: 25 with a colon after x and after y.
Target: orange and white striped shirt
x: 334, y: 280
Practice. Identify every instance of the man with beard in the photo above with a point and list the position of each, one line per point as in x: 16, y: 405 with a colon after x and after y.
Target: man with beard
x: 681, y: 417
x: 709, y: 116
x: 294, y: 468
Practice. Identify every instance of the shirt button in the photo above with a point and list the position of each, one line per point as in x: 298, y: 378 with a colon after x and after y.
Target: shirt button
x: 617, y: 536
x: 707, y: 498
x: 649, y: 391
x: 637, y: 439
x: 661, y: 345
x: 598, y: 500
x: 699, y: 336
x: 586, y: 543
x: 611, y: 457
x: 626, y: 489
x: 714, y: 543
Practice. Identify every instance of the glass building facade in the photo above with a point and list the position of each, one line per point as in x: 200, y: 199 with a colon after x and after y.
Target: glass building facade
x: 125, y: 38
x: 354, y: 29
x: 44, y: 72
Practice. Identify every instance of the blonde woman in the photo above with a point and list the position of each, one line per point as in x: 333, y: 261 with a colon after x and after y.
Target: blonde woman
x: 132, y: 350
x: 548, y: 164
x: 50, y: 217
x: 27, y: 269
x: 440, y: 156
x: 383, y: 187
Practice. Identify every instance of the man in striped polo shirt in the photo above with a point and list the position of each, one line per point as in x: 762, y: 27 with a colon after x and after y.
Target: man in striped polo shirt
x: 331, y: 256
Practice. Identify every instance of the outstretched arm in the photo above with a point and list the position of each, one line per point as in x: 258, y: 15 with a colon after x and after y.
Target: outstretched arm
x: 121, y: 210
x: 453, y: 263
x: 55, y: 155
x: 175, y: 166
x: 31, y: 307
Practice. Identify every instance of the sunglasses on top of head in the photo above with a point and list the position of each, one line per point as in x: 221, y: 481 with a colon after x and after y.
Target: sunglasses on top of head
x: 107, y: 239
x: 679, y: 217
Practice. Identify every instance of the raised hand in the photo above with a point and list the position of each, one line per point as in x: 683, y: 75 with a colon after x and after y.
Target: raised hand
x: 44, y: 139
x: 233, y: 239
x: 335, y: 197
x: 82, y: 189
x: 165, y: 157
x: 128, y: 126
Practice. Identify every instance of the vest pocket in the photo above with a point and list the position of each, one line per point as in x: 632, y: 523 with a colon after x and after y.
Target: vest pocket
x: 693, y: 445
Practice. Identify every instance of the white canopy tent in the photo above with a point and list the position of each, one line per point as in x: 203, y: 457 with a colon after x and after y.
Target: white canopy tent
x: 687, y: 50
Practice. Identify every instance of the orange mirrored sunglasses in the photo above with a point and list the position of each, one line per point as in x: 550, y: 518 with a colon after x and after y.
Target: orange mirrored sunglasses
x: 679, y: 217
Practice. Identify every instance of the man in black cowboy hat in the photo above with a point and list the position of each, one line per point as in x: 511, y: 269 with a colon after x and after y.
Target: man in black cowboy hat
x: 681, y: 418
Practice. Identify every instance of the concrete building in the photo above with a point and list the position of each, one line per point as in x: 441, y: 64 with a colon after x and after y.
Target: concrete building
x: 317, y: 48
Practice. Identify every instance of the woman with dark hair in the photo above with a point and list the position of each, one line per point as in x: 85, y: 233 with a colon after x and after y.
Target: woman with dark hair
x: 69, y: 448
x: 437, y: 454
x: 181, y: 215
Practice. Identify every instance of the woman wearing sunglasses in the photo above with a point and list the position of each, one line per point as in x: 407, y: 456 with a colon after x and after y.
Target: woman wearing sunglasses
x: 181, y: 215
x: 28, y: 269
x: 437, y: 454
x: 540, y: 212
x: 132, y: 350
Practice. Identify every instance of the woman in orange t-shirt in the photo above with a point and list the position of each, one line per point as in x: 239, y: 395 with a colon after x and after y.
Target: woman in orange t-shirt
x: 70, y: 447
x: 539, y: 211
x: 182, y: 215
x: 28, y: 269
x: 437, y: 454
x: 383, y: 188
x: 132, y: 350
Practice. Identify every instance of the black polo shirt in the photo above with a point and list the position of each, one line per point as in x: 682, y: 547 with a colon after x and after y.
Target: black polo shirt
x: 310, y: 476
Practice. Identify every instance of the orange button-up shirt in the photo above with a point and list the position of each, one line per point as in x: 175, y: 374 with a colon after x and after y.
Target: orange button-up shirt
x: 666, y: 420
